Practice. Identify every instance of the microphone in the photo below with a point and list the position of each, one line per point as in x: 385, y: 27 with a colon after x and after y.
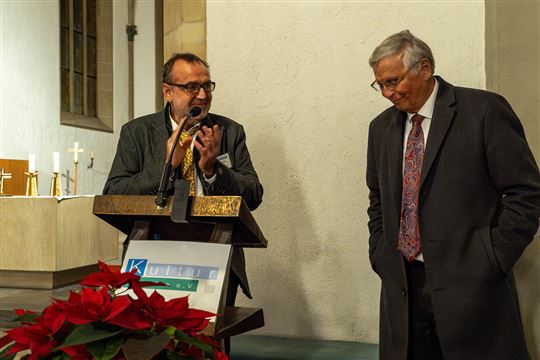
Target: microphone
x: 195, y: 111
x: 161, y: 198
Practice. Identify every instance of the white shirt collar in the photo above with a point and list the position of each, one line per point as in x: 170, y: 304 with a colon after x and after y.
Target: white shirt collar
x: 174, y: 125
x: 427, y: 109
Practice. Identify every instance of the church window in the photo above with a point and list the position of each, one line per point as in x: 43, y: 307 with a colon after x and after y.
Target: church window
x: 86, y: 63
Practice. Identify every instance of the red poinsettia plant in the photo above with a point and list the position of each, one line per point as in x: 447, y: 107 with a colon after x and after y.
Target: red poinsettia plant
x: 101, y: 322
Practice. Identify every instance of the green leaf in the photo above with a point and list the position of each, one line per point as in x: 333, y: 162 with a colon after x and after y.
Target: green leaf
x: 188, y: 339
x: 144, y: 349
x: 88, y: 333
x: 4, y: 355
x: 170, y: 330
x: 106, y: 349
x: 25, y: 318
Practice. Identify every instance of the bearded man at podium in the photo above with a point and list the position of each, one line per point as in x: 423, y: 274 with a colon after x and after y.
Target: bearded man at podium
x: 213, y: 154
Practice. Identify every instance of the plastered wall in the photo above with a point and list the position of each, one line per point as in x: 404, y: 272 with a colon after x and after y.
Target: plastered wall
x: 30, y: 95
x: 184, y: 27
x: 296, y: 75
x: 144, y: 63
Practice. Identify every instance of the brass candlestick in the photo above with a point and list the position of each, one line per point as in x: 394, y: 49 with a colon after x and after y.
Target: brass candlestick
x: 75, y: 163
x: 56, y: 186
x: 3, y: 176
x: 31, y: 183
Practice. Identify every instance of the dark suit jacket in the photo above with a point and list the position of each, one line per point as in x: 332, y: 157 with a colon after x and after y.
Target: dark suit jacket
x: 479, y: 204
x: 140, y: 156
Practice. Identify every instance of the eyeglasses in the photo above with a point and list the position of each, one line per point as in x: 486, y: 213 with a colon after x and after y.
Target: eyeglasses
x: 390, y: 84
x: 194, y: 88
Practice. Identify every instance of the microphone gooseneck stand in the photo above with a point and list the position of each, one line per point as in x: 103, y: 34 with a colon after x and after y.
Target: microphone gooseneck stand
x: 168, y: 176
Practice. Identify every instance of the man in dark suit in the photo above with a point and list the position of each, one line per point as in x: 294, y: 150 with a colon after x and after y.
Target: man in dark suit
x: 454, y: 202
x: 213, y: 154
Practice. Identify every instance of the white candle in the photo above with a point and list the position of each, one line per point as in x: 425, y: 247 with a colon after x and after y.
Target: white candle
x: 56, y: 162
x: 76, y: 152
x: 31, y: 163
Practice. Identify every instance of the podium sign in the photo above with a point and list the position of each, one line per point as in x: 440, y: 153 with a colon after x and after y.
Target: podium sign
x: 193, y: 269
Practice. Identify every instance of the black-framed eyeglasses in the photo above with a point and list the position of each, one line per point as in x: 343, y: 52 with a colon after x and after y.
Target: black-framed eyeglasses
x: 194, y: 88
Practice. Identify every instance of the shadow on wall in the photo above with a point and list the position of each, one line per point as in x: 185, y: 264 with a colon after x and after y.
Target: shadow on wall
x: 512, y: 60
x: 527, y: 272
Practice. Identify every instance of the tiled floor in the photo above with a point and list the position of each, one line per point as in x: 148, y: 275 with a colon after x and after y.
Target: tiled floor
x: 31, y: 299
x: 251, y: 347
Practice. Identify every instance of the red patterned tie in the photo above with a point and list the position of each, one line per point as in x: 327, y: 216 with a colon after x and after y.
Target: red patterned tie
x: 409, y: 230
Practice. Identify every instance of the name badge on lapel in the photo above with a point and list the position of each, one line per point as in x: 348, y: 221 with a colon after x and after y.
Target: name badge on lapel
x: 225, y: 160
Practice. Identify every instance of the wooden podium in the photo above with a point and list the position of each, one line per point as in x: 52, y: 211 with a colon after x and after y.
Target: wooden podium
x: 212, y: 219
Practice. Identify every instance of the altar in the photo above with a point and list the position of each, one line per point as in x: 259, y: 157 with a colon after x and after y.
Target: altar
x: 48, y: 242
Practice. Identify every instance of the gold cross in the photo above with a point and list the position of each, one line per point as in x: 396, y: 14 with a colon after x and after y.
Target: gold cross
x: 3, y: 175
x: 76, y: 150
